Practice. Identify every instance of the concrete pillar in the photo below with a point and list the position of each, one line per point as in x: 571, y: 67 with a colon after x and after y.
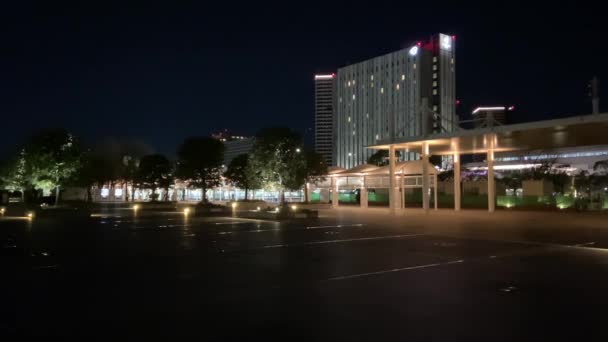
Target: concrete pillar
x: 391, y: 179
x: 334, y: 192
x: 425, y: 177
x: 457, y: 194
x: 324, y: 194
x: 307, y: 190
x: 435, y: 191
x: 402, y: 189
x: 363, y: 194
x: 491, y: 183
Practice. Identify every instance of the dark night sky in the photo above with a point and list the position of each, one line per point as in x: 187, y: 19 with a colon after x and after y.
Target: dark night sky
x: 161, y: 73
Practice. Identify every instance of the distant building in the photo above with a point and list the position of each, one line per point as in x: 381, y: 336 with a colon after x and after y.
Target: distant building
x: 382, y: 99
x: 486, y: 116
x: 325, y: 86
x: 226, y: 135
x: 234, y: 145
x: 233, y: 148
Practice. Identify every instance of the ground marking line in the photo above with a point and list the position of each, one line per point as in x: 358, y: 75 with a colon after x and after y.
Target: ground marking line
x: 353, y: 276
x: 343, y: 240
x: 227, y: 223
x: 585, y: 244
x: 535, y: 243
x: 337, y: 226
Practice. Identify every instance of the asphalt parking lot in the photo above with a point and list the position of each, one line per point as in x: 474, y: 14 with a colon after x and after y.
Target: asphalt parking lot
x: 342, y: 276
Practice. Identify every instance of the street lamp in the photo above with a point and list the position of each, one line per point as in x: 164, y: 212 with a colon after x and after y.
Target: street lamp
x: 298, y: 150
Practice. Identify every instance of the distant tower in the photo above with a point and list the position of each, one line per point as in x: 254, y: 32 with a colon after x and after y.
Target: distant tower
x: 594, y: 86
x: 324, y: 116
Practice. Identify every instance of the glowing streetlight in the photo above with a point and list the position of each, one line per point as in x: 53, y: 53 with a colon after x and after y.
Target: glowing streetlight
x: 2, y: 210
x: 30, y: 215
x: 186, y: 211
x: 294, y: 207
x: 136, y: 207
x: 298, y: 150
x: 233, y: 205
x: 258, y: 208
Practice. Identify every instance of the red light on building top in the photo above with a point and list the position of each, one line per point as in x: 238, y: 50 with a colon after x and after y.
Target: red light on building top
x: 418, y: 44
x: 457, y: 102
x: 511, y: 108
x: 453, y: 37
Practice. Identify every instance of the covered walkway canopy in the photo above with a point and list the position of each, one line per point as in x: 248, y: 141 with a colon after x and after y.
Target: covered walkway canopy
x: 407, y: 174
x: 587, y: 130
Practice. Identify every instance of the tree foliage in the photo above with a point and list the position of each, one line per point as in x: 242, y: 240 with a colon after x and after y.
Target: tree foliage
x: 200, y: 162
x: 277, y: 158
x: 155, y: 171
x: 240, y: 174
x: 380, y: 158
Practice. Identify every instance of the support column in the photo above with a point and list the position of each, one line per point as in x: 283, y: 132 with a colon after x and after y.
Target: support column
x: 435, y: 191
x: 307, y: 192
x: 363, y: 194
x: 425, y: 177
x: 402, y: 189
x: 491, y: 182
x: 457, y: 191
x: 334, y: 192
x: 392, y: 203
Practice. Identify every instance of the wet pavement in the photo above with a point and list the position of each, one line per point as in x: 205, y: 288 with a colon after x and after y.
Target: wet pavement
x: 344, y: 276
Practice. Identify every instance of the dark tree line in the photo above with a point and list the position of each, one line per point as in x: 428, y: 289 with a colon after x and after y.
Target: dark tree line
x: 54, y: 159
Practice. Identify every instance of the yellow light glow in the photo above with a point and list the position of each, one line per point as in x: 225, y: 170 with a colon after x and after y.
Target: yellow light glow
x: 258, y: 208
x: 186, y: 211
x: 30, y: 215
x: 136, y: 207
x: 276, y: 210
x: 2, y: 210
x: 233, y: 205
x: 294, y: 207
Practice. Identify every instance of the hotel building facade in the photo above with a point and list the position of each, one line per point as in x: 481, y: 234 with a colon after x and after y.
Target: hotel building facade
x: 383, y: 98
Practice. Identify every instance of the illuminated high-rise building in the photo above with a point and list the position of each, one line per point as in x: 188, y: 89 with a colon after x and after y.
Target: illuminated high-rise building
x: 324, y: 116
x: 381, y: 99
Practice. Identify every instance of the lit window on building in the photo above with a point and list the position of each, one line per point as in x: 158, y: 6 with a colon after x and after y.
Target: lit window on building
x: 434, y: 66
x: 381, y: 90
x: 434, y: 58
x: 371, y: 77
x: 348, y: 83
x: 452, y: 61
x: 377, y: 137
x: 349, y: 119
x: 353, y: 96
x: 118, y: 192
x: 402, y: 77
x: 435, y: 108
x: 105, y: 193
x: 434, y: 83
x: 434, y: 75
x: 414, y: 66
x: 353, y: 132
x: 397, y: 86
x: 350, y: 154
x: 434, y: 91
x: 354, y: 82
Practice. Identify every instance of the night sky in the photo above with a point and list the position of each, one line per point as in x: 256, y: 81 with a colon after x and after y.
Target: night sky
x: 162, y: 73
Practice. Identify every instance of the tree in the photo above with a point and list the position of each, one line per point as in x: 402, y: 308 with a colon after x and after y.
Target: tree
x: 14, y: 175
x: 380, y: 158
x: 200, y: 162
x: 315, y: 170
x: 155, y: 172
x: 239, y: 173
x: 277, y: 158
x: 52, y: 158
